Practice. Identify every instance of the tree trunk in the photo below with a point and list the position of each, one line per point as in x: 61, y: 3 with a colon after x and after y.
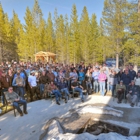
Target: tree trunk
x: 139, y: 6
x: 117, y: 60
x: 1, y: 51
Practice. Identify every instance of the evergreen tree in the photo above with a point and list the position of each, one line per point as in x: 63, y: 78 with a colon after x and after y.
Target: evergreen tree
x: 94, y: 34
x: 114, y: 20
x: 84, y: 35
x: 60, y: 34
x: 131, y: 47
x: 2, y: 36
x: 27, y: 44
x: 50, y: 35
x: 9, y: 46
x: 67, y: 39
x: 74, y: 36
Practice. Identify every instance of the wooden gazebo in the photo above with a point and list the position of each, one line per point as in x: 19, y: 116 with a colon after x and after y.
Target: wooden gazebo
x: 45, y: 56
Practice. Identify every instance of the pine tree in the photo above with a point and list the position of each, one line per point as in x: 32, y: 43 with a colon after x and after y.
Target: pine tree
x: 23, y: 49
x: 26, y: 42
x: 36, y: 30
x: 102, y: 47
x: 60, y: 34
x: 9, y: 48
x: 67, y: 39
x: 55, y: 27
x: 2, y: 36
x: 133, y: 38
x: 15, y: 27
x: 74, y: 36
x: 94, y: 34
x: 114, y: 20
x: 50, y: 35
x: 84, y: 35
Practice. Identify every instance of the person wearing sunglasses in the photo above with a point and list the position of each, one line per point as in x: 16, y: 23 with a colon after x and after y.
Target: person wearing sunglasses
x: 15, y: 100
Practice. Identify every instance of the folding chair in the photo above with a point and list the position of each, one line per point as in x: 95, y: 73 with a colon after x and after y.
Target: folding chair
x: 116, y: 95
x: 74, y: 92
x: 51, y: 95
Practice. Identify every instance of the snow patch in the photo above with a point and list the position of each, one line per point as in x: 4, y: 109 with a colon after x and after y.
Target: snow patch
x: 100, y: 110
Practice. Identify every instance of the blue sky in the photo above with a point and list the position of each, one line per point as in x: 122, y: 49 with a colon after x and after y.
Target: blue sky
x: 63, y: 7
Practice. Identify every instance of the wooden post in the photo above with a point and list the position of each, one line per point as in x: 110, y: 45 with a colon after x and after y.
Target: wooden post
x: 47, y: 59
x: 35, y: 58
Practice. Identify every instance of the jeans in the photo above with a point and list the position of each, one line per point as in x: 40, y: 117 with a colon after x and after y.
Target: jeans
x: 69, y: 84
x: 22, y: 102
x: 21, y: 91
x: 112, y: 88
x: 88, y: 84
x: 96, y: 86
x: 131, y: 98
x: 57, y: 94
x: 126, y: 91
x: 41, y: 87
x: 80, y: 91
x: 2, y: 91
x: 108, y: 87
x: 65, y: 90
x: 102, y: 88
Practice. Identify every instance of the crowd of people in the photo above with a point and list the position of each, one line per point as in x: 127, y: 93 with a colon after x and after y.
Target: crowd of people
x: 41, y: 80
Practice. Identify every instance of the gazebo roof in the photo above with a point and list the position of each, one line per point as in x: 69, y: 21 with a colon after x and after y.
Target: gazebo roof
x: 41, y: 53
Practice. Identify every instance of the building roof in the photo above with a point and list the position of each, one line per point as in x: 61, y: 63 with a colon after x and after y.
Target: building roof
x: 41, y: 53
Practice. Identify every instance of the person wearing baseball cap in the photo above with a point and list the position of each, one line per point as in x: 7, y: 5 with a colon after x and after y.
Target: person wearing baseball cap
x: 33, y: 85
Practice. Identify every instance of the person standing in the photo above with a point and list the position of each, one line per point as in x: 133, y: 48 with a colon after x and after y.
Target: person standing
x: 73, y: 75
x: 95, y: 75
x: 19, y: 83
x: 132, y: 72
x: 102, y: 78
x: 88, y: 79
x: 113, y: 80
x: 42, y: 81
x: 33, y: 86
x: 81, y: 76
x: 126, y: 78
x: 50, y: 76
x: 5, y: 83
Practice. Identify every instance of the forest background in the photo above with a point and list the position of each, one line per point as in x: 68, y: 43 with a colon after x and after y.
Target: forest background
x: 74, y: 38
